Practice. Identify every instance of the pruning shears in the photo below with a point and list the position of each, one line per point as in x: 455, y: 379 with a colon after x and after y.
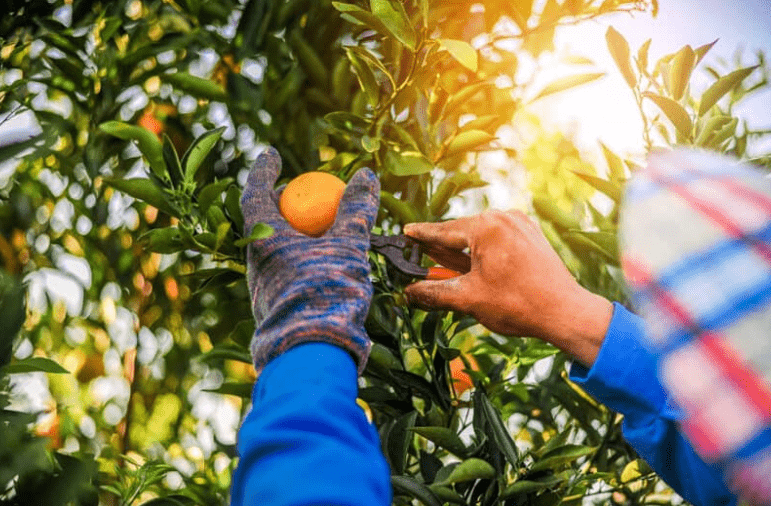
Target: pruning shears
x: 395, y: 248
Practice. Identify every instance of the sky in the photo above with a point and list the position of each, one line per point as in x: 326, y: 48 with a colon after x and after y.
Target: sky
x: 606, y: 110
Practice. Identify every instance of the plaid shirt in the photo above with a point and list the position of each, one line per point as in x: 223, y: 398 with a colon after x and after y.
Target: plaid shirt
x: 696, y: 241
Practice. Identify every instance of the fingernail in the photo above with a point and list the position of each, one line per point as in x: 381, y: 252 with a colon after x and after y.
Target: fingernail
x: 408, y: 228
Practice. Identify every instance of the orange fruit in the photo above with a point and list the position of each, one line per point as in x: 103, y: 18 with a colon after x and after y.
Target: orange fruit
x: 461, y: 381
x: 309, y: 202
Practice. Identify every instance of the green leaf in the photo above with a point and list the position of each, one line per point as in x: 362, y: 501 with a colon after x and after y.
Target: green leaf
x: 467, y: 141
x: 722, y: 86
x: 549, y: 210
x: 364, y: 17
x: 260, y: 231
x: 147, y: 142
x: 565, y: 83
x: 612, y: 190
x: 527, y: 486
x: 164, y: 240
x: 34, y: 364
x: 619, y: 50
x: 171, y: 159
x: 680, y: 71
x: 631, y: 471
x: 365, y: 76
x: 198, y: 152
x: 407, y: 163
x: 409, y: 486
x: 398, y: 439
x: 243, y: 332
x: 145, y: 191
x: 461, y: 51
x: 444, y: 437
x: 373, y: 61
x: 227, y: 352
x: 447, y: 494
x: 470, y: 469
x: 13, y: 309
x: 211, y: 192
x: 615, y: 165
x: 196, y: 86
x: 501, y: 435
x: 711, y: 128
x: 234, y: 388
x: 561, y: 456
x: 674, y: 111
x: 584, y: 240
x: 393, y: 16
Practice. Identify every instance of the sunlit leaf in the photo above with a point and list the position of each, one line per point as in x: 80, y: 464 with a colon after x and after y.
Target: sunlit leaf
x: 680, y: 72
x: 722, y: 86
x: 674, y: 111
x: 467, y: 141
x: 392, y: 14
x: 407, y: 163
x: 619, y: 50
x: 461, y: 51
x: 702, y: 51
x: 565, y: 83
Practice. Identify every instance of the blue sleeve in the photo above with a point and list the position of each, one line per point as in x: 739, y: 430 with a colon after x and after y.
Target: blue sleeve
x: 306, y: 441
x: 624, y: 378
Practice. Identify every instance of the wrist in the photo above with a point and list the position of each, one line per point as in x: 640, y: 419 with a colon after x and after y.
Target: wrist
x: 582, y: 325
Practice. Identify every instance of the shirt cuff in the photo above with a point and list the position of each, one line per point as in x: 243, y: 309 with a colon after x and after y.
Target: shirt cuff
x: 623, y: 377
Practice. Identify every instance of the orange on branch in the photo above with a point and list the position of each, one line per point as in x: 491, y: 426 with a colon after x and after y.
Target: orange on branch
x: 309, y: 202
x: 461, y: 381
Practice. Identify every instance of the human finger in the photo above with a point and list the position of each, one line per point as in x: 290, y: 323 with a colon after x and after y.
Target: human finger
x: 450, y: 295
x: 453, y: 259
x: 453, y: 234
x: 358, y: 207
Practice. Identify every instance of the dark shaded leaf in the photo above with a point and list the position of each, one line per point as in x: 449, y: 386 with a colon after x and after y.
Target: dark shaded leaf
x: 444, y: 437
x: 34, y: 364
x: 405, y: 485
x: 470, y: 469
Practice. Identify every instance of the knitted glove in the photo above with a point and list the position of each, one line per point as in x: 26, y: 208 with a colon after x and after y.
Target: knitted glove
x: 309, y: 289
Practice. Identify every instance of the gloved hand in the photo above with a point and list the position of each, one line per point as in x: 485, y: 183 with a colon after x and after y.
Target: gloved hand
x: 309, y: 289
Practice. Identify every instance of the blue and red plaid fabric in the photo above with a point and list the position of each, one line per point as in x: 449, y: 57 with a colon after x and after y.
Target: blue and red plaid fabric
x: 696, y: 251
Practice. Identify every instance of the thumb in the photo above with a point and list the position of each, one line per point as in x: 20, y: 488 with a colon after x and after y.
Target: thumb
x: 358, y: 208
x: 451, y: 294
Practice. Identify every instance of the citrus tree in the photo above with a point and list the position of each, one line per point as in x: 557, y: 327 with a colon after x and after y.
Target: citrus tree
x: 120, y: 218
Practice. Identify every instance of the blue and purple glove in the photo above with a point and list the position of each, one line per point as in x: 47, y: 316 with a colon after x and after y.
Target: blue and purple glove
x: 309, y: 289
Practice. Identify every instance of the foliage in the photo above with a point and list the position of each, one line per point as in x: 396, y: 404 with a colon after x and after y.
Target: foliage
x: 149, y: 112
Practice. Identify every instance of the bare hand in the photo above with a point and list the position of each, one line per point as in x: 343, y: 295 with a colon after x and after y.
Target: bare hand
x: 517, y: 285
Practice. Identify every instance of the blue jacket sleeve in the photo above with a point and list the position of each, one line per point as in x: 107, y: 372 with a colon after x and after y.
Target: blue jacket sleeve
x: 624, y: 378
x: 306, y: 441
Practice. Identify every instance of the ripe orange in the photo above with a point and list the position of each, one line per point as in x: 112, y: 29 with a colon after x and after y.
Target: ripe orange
x: 461, y: 381
x: 309, y: 202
